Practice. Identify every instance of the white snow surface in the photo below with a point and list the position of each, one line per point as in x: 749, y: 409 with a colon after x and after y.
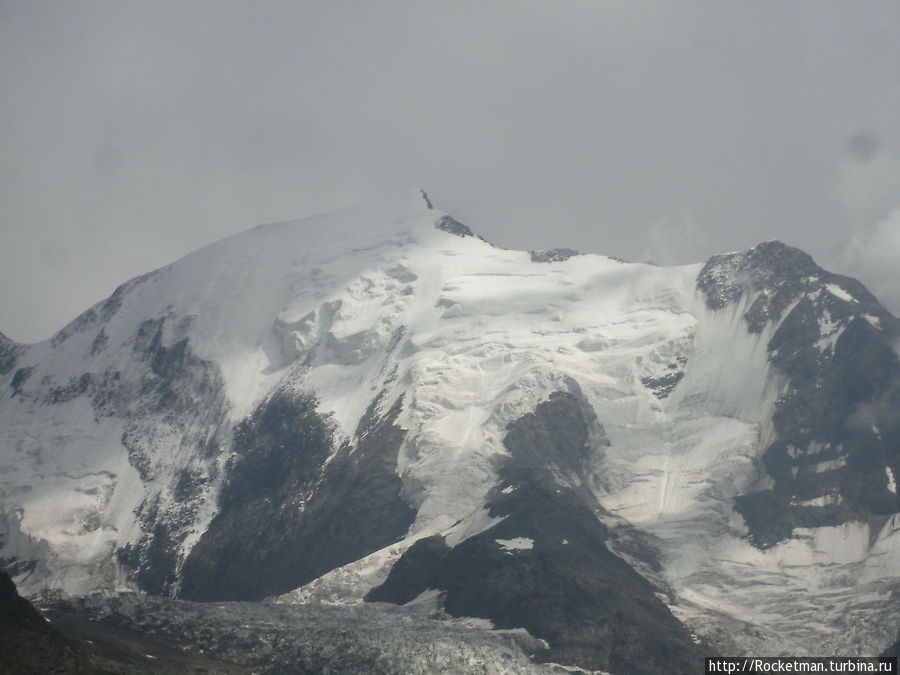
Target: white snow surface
x: 375, y: 299
x: 516, y: 544
x: 874, y: 321
x: 830, y: 330
x: 839, y: 293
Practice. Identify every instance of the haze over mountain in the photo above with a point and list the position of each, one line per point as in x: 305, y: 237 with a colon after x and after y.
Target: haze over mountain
x: 137, y: 132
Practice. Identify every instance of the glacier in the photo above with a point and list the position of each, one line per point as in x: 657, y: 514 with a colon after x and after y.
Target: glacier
x: 120, y: 427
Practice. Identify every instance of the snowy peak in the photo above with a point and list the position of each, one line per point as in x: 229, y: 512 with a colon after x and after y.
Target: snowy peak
x: 270, y: 278
x: 774, y: 276
x: 836, y: 451
x: 147, y: 390
x: 725, y: 278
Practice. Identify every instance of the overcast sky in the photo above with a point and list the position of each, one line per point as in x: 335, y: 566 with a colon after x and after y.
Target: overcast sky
x: 134, y: 132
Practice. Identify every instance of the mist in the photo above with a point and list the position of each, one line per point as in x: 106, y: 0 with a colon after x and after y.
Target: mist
x: 134, y: 133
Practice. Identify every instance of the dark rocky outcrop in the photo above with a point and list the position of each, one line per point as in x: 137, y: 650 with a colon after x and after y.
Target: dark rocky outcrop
x: 28, y: 644
x: 837, y: 450
x: 9, y: 353
x: 545, y: 567
x: 771, y: 265
x: 20, y: 377
x: 453, y: 226
x: 553, y: 255
x: 289, y: 511
x: 117, y: 645
x: 552, y: 443
x: 74, y: 643
x: 663, y: 385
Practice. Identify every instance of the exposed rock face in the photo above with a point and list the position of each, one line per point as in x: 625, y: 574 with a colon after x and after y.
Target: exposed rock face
x: 545, y: 566
x: 75, y: 643
x: 838, y: 447
x: 8, y: 350
x: 28, y: 644
x: 779, y: 269
x: 291, y: 508
x: 453, y: 226
x: 553, y: 255
x: 663, y: 385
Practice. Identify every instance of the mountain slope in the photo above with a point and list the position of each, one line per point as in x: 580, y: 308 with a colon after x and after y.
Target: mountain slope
x: 835, y: 457
x: 544, y: 566
x: 311, y: 404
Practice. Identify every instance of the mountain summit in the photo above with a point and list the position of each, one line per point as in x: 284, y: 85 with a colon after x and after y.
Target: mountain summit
x: 378, y: 405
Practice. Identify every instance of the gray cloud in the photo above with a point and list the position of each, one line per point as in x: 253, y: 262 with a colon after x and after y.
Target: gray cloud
x: 135, y: 132
x: 863, y: 147
x: 873, y: 255
x: 869, y: 191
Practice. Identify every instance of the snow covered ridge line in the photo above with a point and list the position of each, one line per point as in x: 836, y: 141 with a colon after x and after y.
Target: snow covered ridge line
x: 331, y: 402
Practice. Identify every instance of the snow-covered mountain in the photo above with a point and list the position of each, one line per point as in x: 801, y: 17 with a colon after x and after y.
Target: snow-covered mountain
x: 377, y: 404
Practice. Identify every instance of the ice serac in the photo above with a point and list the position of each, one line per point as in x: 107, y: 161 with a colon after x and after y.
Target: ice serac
x: 379, y: 399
